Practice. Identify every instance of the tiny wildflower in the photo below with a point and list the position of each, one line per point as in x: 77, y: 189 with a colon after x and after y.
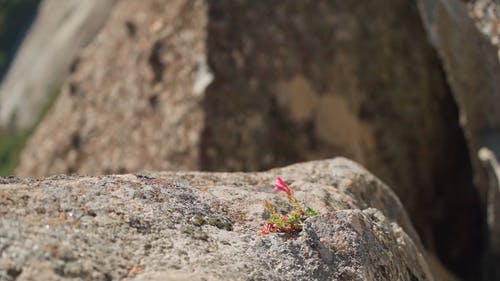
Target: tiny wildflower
x: 288, y: 223
x: 280, y: 184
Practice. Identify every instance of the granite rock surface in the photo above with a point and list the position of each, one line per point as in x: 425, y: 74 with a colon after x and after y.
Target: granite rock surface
x: 194, y: 225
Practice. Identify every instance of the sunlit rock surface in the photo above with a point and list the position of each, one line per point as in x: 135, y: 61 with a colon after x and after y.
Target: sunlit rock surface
x: 147, y: 226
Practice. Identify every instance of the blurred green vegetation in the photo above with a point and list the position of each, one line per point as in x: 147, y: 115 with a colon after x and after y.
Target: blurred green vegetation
x: 15, y: 16
x: 11, y: 143
x: 10, y: 148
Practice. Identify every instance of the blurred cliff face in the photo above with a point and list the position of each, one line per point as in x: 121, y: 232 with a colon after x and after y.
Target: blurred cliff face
x: 246, y: 85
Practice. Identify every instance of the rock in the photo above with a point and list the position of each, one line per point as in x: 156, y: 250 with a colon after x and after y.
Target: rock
x: 486, y: 15
x: 132, y: 91
x: 490, y: 162
x: 472, y: 67
x: 240, y: 85
x: 471, y: 62
x: 140, y: 227
x: 59, y: 31
x: 466, y: 37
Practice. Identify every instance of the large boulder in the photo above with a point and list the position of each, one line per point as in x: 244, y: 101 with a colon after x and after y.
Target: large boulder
x: 59, y: 31
x: 249, y: 85
x: 203, y: 226
x: 472, y: 66
x: 467, y: 39
x: 471, y: 61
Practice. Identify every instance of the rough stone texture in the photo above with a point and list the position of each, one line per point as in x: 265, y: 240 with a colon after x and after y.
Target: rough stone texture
x: 249, y: 85
x: 472, y: 65
x: 142, y: 227
x: 486, y: 15
x: 60, y: 30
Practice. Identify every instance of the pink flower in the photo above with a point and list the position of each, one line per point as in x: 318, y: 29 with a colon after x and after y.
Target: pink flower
x: 266, y: 229
x: 280, y: 184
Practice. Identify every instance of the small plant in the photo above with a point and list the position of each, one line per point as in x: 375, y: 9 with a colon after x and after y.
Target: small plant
x: 288, y: 223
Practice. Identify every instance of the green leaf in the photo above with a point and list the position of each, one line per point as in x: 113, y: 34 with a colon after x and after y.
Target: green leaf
x: 311, y: 212
x: 293, y: 220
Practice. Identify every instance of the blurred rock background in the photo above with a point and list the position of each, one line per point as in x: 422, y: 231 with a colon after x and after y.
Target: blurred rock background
x: 15, y: 19
x: 410, y: 89
x: 38, y: 42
